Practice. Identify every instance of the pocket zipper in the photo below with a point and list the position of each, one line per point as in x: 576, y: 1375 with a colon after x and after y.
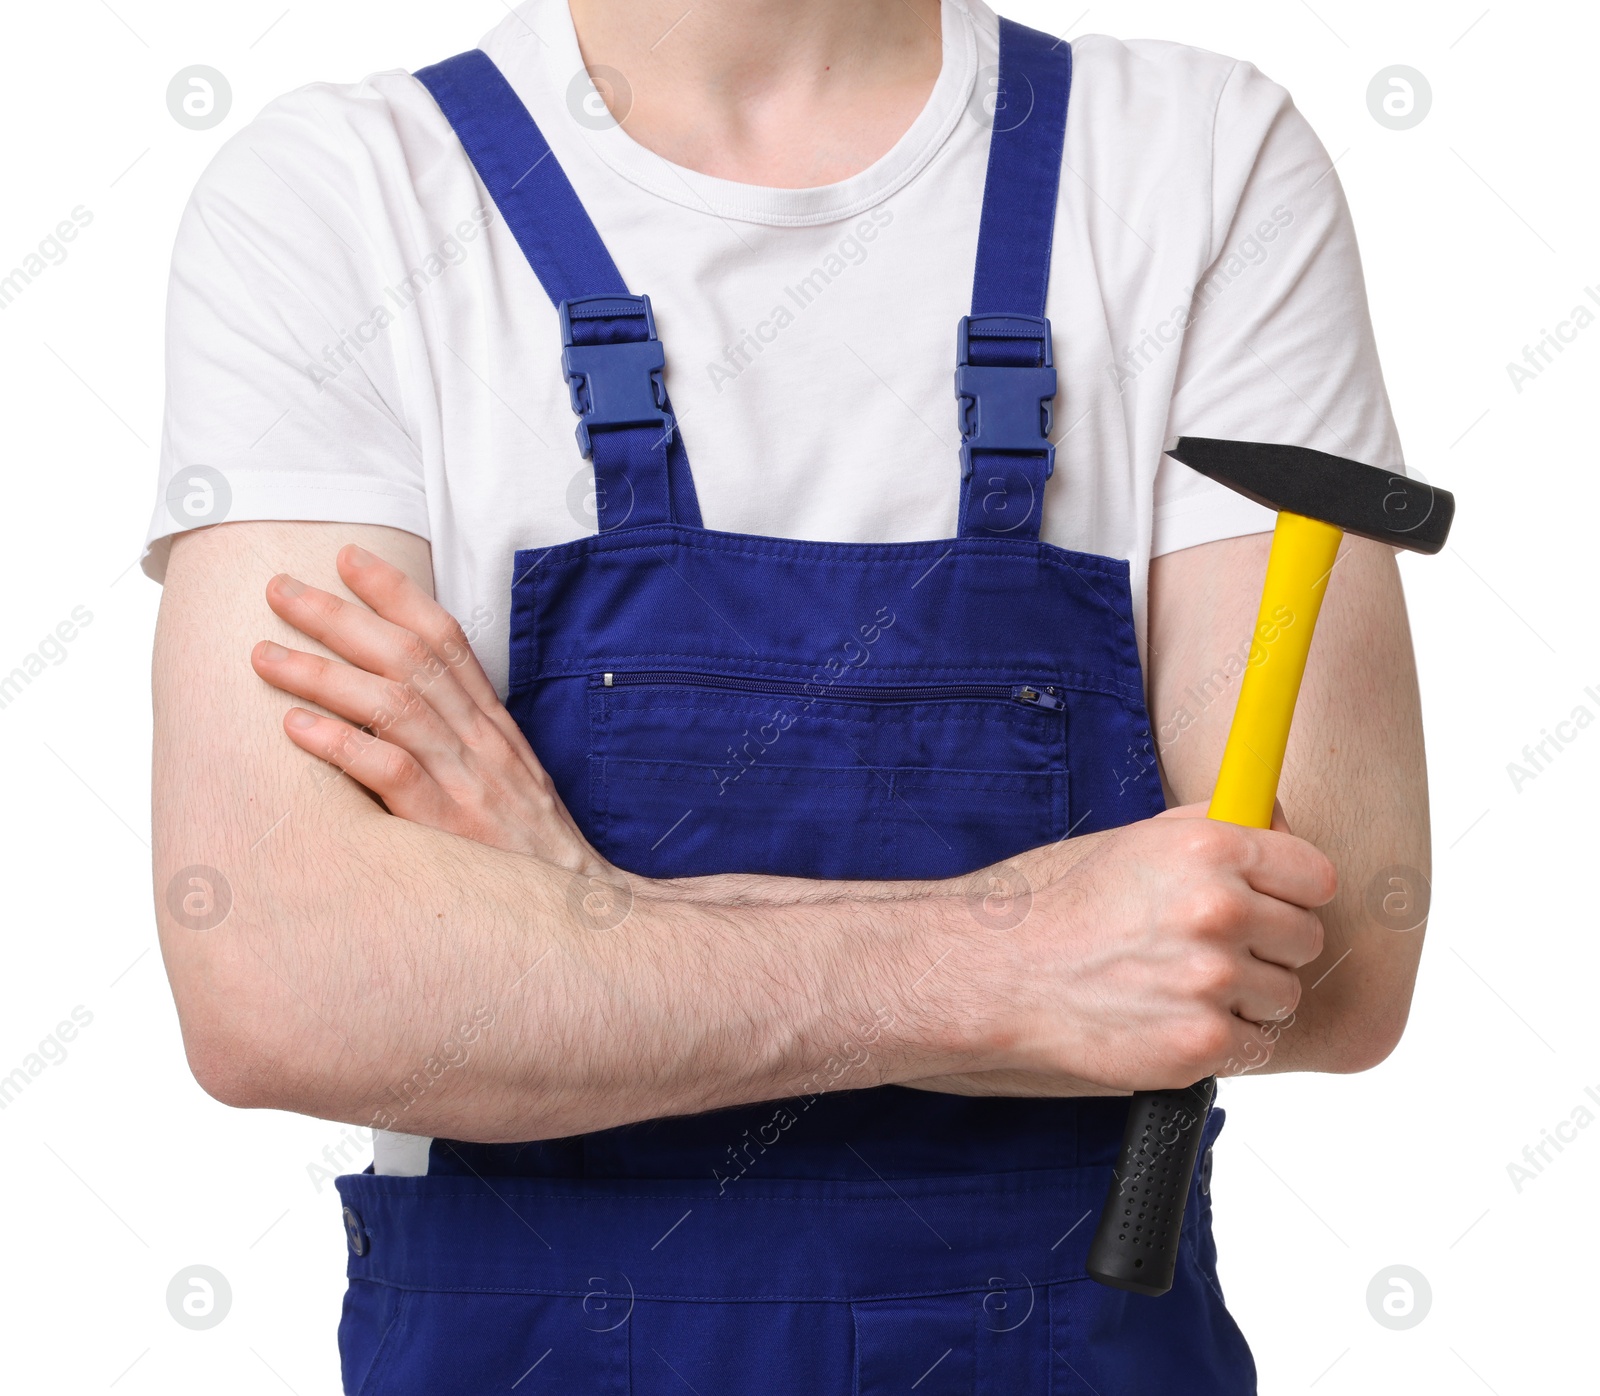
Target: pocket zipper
x: 1034, y: 695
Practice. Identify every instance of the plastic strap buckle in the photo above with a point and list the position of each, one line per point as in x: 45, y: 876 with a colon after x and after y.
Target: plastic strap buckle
x: 1005, y: 407
x: 618, y: 384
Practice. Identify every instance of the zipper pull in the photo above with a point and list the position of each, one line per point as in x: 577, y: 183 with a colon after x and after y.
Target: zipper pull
x: 1038, y: 697
x: 606, y: 679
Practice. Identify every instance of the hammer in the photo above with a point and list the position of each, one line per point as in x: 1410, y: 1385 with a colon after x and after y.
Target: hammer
x: 1319, y: 498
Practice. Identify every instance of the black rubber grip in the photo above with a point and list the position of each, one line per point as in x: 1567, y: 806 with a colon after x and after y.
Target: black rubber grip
x: 1136, y: 1247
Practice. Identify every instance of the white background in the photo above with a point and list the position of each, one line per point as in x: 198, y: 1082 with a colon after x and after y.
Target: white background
x: 1478, y: 232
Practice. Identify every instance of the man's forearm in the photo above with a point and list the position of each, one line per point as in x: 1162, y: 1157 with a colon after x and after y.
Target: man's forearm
x: 421, y: 982
x: 376, y: 970
x: 382, y: 970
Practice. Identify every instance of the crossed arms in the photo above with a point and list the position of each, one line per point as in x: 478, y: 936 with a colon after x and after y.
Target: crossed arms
x: 367, y: 929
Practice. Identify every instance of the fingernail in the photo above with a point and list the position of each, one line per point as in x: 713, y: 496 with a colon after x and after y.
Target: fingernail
x: 299, y: 717
x: 287, y: 584
x: 272, y: 653
x: 358, y: 556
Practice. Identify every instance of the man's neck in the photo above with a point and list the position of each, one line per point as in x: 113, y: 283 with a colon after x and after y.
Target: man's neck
x: 787, y: 93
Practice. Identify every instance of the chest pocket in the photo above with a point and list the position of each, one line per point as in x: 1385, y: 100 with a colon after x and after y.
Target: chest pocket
x: 699, y: 772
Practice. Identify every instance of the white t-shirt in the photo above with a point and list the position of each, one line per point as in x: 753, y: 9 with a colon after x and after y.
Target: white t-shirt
x: 354, y: 336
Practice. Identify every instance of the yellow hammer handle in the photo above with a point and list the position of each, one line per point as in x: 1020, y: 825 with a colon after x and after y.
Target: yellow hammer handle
x: 1303, y: 553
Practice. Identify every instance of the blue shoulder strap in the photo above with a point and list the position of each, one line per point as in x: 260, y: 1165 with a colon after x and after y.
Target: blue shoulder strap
x: 1005, y: 367
x: 1005, y: 374
x: 613, y: 360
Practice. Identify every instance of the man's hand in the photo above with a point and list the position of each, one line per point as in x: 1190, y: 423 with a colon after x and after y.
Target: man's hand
x: 1201, y: 971
x: 423, y: 728
x: 1153, y: 959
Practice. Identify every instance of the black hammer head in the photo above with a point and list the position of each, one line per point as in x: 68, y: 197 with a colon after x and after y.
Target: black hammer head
x: 1379, y: 504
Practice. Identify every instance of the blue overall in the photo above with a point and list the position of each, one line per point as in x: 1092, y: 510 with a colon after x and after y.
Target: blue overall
x: 711, y: 702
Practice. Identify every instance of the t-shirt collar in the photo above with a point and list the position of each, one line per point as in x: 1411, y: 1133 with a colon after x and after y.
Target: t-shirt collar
x: 542, y: 36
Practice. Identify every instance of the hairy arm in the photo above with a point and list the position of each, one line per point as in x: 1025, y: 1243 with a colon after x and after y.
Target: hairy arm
x: 446, y: 973
x: 360, y: 946
x: 1354, y: 779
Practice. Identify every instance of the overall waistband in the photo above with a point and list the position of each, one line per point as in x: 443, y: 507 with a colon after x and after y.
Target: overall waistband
x: 751, y: 1240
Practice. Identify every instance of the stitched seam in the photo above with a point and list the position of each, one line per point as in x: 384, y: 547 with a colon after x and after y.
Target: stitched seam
x: 801, y: 1297
x: 388, y: 1344
x: 799, y: 549
x: 1211, y: 174
x: 435, y: 1193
